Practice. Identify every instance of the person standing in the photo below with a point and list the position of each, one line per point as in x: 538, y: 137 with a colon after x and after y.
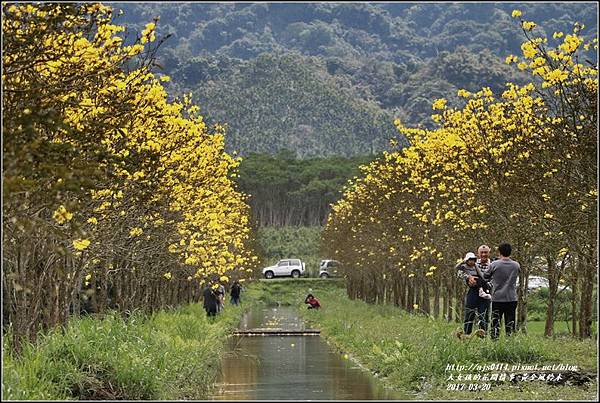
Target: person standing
x: 236, y: 290
x: 482, y: 266
x: 220, y: 297
x: 210, y: 300
x: 483, y: 258
x: 477, y: 299
x: 504, y: 272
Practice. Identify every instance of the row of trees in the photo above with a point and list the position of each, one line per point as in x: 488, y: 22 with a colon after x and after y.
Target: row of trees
x: 285, y: 190
x: 521, y: 167
x: 291, y: 242
x: 113, y: 195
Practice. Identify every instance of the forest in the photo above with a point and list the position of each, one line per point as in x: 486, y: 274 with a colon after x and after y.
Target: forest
x: 329, y: 78
x: 288, y: 191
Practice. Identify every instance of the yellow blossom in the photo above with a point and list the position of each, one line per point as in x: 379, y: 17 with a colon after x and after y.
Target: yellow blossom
x: 136, y: 232
x: 439, y: 104
x: 61, y: 215
x: 81, y: 244
x: 528, y: 25
x: 529, y: 50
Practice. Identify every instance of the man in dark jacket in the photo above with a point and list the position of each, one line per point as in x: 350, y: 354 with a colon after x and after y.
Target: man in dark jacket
x: 210, y: 300
x: 236, y: 290
x: 477, y: 301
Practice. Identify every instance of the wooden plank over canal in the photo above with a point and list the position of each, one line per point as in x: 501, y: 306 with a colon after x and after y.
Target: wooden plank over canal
x: 277, y: 332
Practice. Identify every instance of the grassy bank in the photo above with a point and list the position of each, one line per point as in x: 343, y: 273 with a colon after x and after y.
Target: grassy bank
x: 169, y: 355
x: 175, y: 354
x: 411, y: 352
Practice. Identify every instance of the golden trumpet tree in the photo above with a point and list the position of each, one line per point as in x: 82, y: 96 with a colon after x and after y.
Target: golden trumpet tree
x: 516, y: 167
x: 114, y: 194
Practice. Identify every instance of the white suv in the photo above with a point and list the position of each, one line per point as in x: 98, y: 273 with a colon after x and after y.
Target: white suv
x: 285, y: 267
x: 329, y: 268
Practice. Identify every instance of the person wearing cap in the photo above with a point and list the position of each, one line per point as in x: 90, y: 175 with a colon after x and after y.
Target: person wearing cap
x: 477, y: 301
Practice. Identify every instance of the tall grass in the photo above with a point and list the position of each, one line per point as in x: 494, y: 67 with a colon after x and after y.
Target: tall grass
x: 169, y: 355
x: 175, y: 354
x: 411, y: 350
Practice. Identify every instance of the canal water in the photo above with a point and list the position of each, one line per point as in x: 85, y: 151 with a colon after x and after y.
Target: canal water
x: 290, y: 367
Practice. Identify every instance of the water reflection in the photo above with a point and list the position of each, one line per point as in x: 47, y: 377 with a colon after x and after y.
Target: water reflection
x: 290, y: 367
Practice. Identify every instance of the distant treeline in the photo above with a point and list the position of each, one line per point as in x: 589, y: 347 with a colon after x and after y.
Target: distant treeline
x: 285, y: 190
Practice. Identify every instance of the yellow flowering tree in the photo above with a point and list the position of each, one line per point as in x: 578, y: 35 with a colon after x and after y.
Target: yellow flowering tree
x: 518, y: 166
x: 113, y: 194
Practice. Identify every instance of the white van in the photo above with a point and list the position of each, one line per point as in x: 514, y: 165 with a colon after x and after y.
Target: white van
x: 285, y: 267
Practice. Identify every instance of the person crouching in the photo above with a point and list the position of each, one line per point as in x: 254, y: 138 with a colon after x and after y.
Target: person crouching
x: 312, y: 302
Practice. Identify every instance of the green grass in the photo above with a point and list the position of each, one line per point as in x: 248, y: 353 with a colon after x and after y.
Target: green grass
x: 173, y: 354
x: 411, y: 352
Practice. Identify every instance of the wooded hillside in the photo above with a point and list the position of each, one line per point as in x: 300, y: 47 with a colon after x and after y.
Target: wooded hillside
x: 325, y: 78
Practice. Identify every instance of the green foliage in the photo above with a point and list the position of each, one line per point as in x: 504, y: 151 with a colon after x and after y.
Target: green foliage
x: 169, y: 355
x: 276, y: 101
x: 537, y: 304
x: 290, y: 199
x: 328, y: 78
x: 286, y: 190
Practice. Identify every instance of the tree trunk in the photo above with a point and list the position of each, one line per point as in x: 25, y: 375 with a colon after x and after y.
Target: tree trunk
x: 410, y: 295
x: 575, y: 290
x: 459, y: 303
x: 417, y: 296
x: 448, y: 301
x: 522, y: 296
x: 553, y: 275
x: 436, y: 299
x: 425, y: 297
x: 587, y: 289
x: 397, y: 296
x: 403, y: 293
